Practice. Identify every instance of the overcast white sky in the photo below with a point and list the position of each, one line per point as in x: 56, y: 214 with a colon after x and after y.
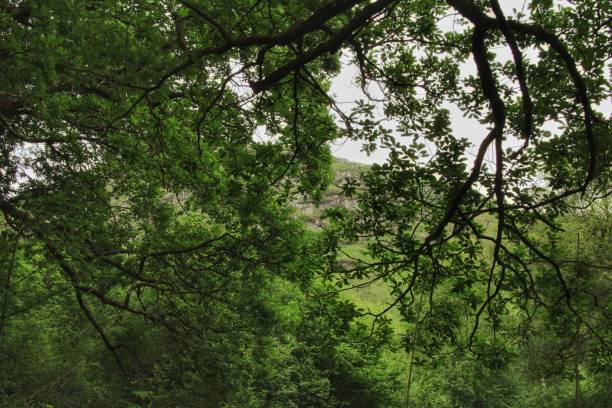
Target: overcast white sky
x: 347, y: 92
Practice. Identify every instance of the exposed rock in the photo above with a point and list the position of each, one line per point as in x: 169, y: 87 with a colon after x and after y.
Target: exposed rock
x: 333, y: 197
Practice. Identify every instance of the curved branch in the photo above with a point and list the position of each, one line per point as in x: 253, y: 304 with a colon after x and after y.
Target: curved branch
x: 527, y: 125
x: 477, y: 17
x: 330, y: 45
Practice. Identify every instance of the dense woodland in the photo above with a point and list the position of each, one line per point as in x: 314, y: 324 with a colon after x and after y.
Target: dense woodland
x: 175, y: 231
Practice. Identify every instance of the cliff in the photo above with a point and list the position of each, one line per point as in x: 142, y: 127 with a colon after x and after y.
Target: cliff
x: 341, y: 169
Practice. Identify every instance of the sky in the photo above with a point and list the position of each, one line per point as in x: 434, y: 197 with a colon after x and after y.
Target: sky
x: 347, y: 92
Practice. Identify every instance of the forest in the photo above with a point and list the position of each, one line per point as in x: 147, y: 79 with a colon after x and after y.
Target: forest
x: 176, y: 230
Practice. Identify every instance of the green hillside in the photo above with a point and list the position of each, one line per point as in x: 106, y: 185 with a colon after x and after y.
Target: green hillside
x: 374, y: 297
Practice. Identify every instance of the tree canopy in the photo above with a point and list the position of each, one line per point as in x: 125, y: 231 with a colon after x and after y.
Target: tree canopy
x: 140, y: 206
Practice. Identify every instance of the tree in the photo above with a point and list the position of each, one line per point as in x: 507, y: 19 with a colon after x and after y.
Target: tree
x: 131, y: 171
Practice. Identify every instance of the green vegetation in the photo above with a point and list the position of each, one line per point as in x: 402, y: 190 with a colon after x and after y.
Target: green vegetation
x: 174, y: 231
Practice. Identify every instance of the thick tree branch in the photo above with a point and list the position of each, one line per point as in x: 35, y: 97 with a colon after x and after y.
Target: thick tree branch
x: 527, y: 123
x: 475, y: 15
x: 330, y: 45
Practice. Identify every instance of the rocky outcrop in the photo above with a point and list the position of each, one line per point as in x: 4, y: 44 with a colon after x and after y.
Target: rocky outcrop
x: 333, y: 197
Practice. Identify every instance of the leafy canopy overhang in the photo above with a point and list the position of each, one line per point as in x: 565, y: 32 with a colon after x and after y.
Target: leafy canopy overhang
x: 128, y: 154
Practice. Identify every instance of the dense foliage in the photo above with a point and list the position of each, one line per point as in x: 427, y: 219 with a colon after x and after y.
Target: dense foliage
x: 150, y: 254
